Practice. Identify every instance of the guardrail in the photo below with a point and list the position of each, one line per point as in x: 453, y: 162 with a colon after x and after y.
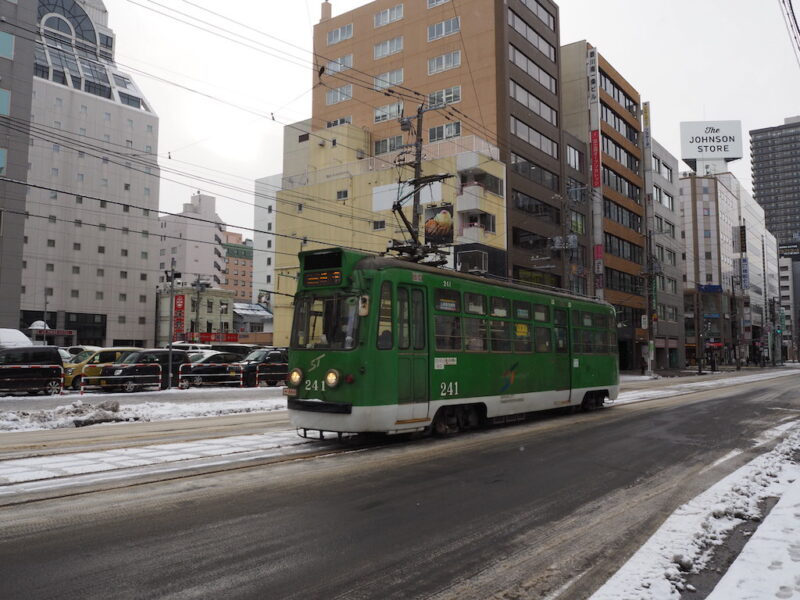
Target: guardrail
x: 185, y: 379
x: 48, y: 378
x: 268, y: 377
x: 127, y: 377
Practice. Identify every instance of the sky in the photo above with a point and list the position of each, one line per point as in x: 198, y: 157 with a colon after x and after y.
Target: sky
x: 216, y: 98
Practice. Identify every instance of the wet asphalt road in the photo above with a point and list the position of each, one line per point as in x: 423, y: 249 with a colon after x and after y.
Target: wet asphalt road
x: 517, y: 511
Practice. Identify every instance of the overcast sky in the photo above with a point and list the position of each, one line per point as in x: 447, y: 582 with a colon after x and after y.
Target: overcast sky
x: 693, y: 60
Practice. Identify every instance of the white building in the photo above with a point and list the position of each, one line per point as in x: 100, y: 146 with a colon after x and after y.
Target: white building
x: 91, y: 234
x: 264, y: 239
x: 194, y: 238
x: 731, y: 268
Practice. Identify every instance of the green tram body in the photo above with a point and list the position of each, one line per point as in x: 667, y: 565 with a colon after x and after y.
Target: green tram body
x: 438, y: 365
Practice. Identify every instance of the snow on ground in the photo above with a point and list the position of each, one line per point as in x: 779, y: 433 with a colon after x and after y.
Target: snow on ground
x: 81, y: 412
x: 677, y: 389
x: 686, y: 540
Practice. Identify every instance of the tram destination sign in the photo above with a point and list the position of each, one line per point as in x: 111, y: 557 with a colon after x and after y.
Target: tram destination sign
x: 711, y: 140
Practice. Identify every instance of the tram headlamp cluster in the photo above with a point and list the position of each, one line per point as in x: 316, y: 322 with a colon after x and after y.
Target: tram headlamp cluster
x: 332, y: 378
x: 295, y: 377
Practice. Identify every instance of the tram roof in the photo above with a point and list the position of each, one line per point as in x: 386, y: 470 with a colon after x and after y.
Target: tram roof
x: 384, y: 262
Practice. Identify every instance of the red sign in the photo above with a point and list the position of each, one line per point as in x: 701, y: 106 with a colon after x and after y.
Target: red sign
x: 206, y: 337
x: 180, y: 304
x: 55, y: 331
x: 595, y: 158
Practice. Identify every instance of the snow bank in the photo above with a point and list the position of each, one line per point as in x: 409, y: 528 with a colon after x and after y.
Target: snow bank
x: 686, y: 540
x: 80, y: 413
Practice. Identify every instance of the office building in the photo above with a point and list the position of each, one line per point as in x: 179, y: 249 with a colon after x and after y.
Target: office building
x: 238, y: 265
x: 16, y: 81
x: 194, y: 239
x: 731, y: 285
x: 91, y: 237
x: 608, y: 120
x: 775, y: 154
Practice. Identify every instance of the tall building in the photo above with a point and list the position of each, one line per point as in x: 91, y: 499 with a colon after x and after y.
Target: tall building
x: 91, y: 233
x: 238, y: 266
x: 666, y: 265
x: 264, y: 239
x: 16, y: 81
x: 608, y: 120
x: 194, y: 238
x: 788, y: 314
x: 775, y: 152
x: 731, y: 283
x: 476, y: 83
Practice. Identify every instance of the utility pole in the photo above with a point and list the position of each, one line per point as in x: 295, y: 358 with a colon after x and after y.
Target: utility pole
x: 416, y: 249
x: 171, y: 278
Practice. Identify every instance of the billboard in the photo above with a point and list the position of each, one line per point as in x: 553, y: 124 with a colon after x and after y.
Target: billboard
x: 439, y: 225
x: 711, y: 140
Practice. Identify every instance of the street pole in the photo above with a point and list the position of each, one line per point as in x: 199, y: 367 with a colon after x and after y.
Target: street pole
x: 417, y: 170
x: 171, y: 327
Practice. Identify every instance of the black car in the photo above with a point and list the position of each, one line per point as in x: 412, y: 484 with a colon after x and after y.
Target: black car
x: 213, y: 368
x: 145, y: 368
x: 265, y: 365
x: 31, y: 369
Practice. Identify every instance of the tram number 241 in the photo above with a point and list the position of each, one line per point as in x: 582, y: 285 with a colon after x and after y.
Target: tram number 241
x: 448, y: 388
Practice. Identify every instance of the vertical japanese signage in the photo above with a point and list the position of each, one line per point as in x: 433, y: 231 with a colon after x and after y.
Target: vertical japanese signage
x: 593, y: 77
x: 179, y: 319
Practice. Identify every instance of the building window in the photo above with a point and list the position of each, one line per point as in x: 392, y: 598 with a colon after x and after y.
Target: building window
x: 49, y: 267
x: 390, y: 15
x: 334, y: 123
x: 449, y: 95
x: 532, y: 102
x: 388, y: 79
x: 386, y: 145
x: 98, y: 295
x: 74, y: 293
x: 337, y: 95
x: 533, y: 137
x: 387, y: 48
x: 521, y: 27
x: 443, y: 29
x: 339, y: 35
x: 445, y: 62
x: 121, y: 319
x: 340, y: 64
x: 76, y: 270
x: 574, y: 158
x: 76, y: 246
x: 445, y: 132
x: 390, y: 111
x: 101, y: 272
x: 378, y: 225
x: 51, y: 243
x: 341, y: 195
x: 432, y: 3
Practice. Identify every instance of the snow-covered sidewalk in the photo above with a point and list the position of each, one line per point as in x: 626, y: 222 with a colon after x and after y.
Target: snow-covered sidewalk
x: 769, y: 565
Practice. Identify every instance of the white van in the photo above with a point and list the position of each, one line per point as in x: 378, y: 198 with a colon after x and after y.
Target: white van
x: 11, y: 338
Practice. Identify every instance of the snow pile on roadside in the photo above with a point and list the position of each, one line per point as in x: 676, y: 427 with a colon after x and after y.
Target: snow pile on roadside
x: 81, y: 413
x: 687, y: 539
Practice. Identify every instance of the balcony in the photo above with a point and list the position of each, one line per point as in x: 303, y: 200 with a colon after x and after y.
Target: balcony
x: 475, y: 198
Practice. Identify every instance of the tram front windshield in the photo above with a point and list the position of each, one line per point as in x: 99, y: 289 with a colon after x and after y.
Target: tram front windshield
x: 325, y: 322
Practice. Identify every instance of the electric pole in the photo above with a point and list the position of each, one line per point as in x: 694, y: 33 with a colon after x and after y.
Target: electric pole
x: 171, y: 278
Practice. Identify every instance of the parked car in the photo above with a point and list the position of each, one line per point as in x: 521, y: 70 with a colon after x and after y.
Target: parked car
x: 10, y: 338
x: 211, y: 368
x: 74, y: 350
x: 31, y: 369
x: 265, y: 365
x: 89, y: 363
x: 143, y: 368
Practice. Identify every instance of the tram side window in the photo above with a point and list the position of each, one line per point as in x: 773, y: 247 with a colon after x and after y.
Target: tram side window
x: 587, y: 319
x: 501, y: 336
x: 418, y: 319
x: 600, y: 342
x: 448, y: 332
x: 500, y: 307
x: 475, y: 335
x: 475, y: 304
x: 522, y: 310
x: 542, y: 339
x: 403, y: 322
x: 600, y: 321
x: 385, y: 326
x: 522, y: 337
x: 541, y: 313
x: 560, y: 331
x: 448, y: 300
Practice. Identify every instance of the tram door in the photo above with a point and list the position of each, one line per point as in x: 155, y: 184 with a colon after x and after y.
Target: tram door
x: 562, y: 373
x: 412, y: 353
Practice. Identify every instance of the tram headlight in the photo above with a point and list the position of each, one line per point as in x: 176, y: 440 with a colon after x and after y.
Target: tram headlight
x: 332, y: 378
x: 295, y: 377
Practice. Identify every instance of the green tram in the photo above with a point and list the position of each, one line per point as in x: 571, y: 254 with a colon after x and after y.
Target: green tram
x: 386, y: 345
